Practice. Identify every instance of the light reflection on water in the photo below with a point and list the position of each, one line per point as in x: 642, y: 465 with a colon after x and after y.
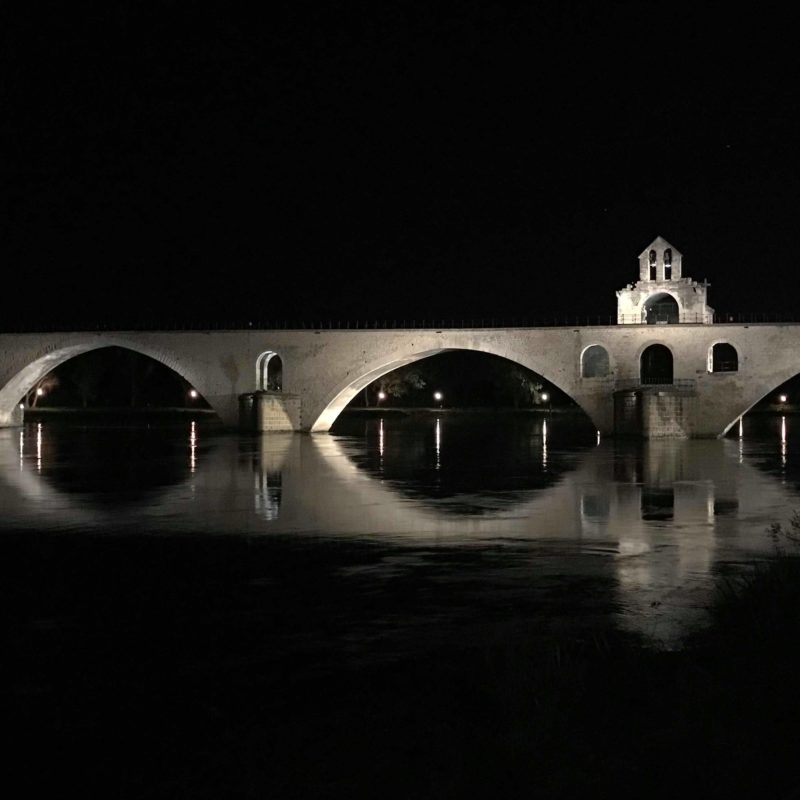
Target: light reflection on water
x: 561, y: 524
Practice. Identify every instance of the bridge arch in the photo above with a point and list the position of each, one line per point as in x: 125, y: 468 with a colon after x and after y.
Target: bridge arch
x: 341, y: 396
x: 50, y: 357
x: 759, y: 393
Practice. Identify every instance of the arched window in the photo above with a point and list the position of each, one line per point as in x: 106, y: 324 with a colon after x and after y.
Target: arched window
x: 652, y: 265
x: 668, y: 264
x: 723, y: 358
x: 269, y: 372
x: 656, y: 365
x: 594, y: 362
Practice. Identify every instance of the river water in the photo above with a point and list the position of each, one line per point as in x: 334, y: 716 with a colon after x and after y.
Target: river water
x: 191, y: 613
x: 396, y: 534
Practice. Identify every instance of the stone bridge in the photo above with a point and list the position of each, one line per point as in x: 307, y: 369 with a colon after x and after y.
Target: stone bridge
x: 690, y: 380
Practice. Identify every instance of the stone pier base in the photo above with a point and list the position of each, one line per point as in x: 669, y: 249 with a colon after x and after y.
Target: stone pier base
x: 269, y: 411
x: 662, y: 413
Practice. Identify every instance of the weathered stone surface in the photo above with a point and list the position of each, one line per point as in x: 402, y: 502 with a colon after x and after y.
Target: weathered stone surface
x: 661, y: 277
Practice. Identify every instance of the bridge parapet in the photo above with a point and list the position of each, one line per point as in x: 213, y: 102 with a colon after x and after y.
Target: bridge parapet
x: 680, y: 318
x: 556, y: 320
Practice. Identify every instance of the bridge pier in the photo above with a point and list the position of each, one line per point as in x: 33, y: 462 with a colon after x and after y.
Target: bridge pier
x: 651, y: 412
x: 269, y: 411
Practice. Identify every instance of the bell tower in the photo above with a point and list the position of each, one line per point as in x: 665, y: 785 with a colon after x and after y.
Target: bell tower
x: 662, y: 295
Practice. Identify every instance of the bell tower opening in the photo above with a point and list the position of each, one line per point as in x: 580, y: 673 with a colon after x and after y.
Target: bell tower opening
x: 661, y: 309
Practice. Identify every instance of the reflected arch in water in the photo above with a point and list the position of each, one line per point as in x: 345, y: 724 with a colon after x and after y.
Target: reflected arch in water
x: 98, y: 478
x: 348, y: 389
x: 441, y: 461
x: 118, y: 466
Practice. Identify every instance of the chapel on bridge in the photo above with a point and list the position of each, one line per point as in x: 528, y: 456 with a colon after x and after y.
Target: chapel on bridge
x: 662, y: 295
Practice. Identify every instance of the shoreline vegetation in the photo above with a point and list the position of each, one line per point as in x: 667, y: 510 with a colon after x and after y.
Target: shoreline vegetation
x: 412, y: 410
x: 139, y: 414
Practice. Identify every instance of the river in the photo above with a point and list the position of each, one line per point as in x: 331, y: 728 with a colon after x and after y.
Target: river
x: 217, y: 604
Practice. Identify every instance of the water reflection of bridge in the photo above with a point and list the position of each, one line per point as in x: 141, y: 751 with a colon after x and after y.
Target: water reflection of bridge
x: 657, y: 519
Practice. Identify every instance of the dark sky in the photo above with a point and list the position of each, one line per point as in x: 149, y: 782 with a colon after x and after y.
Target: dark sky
x: 171, y: 162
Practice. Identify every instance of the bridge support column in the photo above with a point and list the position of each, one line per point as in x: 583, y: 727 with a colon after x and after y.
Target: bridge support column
x: 269, y: 411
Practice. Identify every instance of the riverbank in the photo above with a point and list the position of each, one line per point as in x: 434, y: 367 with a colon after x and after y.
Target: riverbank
x: 411, y: 410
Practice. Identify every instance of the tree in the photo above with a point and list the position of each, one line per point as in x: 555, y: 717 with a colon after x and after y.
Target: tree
x: 519, y: 385
x: 400, y: 382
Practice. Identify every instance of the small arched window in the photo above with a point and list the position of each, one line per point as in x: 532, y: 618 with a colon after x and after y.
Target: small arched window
x: 652, y: 265
x: 269, y: 372
x: 723, y: 358
x: 668, y: 264
x: 594, y: 362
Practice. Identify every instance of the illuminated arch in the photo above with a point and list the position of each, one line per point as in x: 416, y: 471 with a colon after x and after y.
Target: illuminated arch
x: 760, y: 393
x: 347, y: 390
x: 27, y: 377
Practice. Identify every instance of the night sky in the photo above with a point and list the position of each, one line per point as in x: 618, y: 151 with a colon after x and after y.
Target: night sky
x: 168, y: 162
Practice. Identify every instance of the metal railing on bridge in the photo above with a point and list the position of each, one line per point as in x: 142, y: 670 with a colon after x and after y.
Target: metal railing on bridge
x: 428, y: 323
